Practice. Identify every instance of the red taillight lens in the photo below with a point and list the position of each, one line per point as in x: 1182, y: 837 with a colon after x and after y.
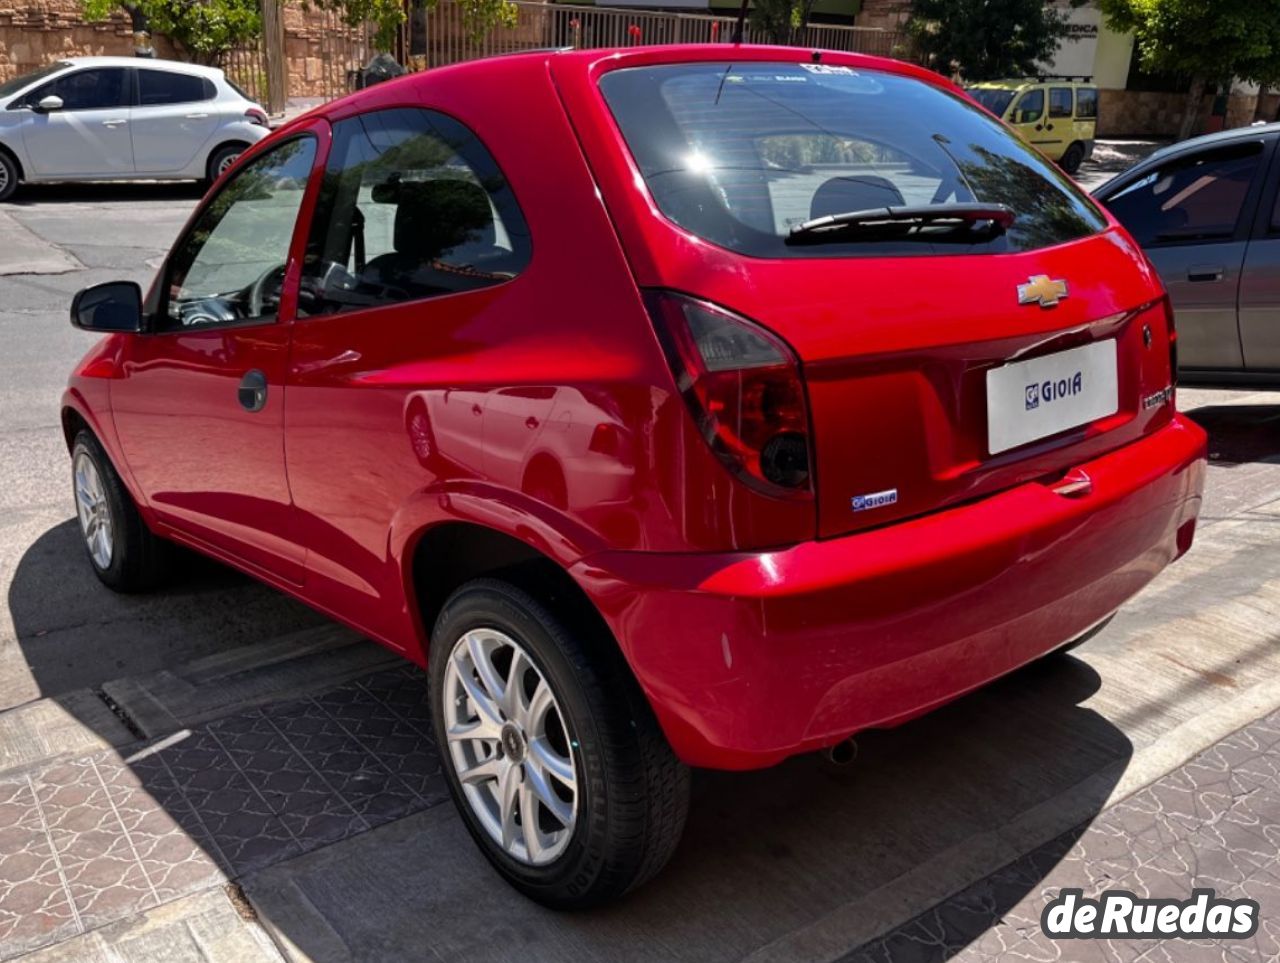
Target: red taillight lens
x: 255, y: 116
x: 743, y: 386
x: 1173, y: 342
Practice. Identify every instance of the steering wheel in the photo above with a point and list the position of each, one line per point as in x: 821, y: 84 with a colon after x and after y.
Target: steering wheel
x: 258, y: 289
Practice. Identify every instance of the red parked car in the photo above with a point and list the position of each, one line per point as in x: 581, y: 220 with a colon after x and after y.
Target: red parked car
x: 683, y: 406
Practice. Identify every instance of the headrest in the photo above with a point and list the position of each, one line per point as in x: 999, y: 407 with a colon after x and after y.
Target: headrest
x: 436, y: 215
x: 854, y: 193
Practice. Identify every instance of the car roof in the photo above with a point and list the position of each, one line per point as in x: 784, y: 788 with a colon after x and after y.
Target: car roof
x: 591, y: 58
x: 174, y: 65
x: 1234, y: 135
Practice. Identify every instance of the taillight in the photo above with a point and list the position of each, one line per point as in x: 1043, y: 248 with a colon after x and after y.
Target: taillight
x: 743, y: 387
x: 254, y: 116
x: 1173, y: 342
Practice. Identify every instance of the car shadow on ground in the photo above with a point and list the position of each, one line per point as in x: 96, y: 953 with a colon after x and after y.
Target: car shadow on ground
x: 98, y: 192
x: 1240, y: 434
x: 765, y: 854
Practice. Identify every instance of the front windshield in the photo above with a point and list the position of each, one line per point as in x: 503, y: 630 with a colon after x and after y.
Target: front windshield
x: 741, y: 153
x: 995, y: 100
x: 11, y: 87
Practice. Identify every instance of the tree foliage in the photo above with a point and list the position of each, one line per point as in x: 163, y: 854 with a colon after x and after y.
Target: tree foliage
x: 387, y: 16
x: 986, y: 39
x: 1207, y: 42
x: 780, y: 20
x: 202, y: 29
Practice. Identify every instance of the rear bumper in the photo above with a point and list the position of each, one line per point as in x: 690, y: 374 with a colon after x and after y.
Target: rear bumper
x: 748, y: 658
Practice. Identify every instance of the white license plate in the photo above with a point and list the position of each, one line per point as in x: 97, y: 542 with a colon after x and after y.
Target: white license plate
x: 1033, y: 399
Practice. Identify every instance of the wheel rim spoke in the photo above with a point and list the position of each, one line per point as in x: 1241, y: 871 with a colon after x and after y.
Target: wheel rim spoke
x: 93, y: 510
x: 509, y: 746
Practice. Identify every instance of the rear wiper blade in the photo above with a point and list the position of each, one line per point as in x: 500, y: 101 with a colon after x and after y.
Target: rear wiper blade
x: 1000, y: 215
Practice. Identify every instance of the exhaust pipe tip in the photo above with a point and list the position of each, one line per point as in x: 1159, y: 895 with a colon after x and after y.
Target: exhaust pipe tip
x: 843, y: 753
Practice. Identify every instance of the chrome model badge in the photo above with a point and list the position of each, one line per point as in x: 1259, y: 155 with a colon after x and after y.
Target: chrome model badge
x: 1042, y: 290
x: 861, y: 503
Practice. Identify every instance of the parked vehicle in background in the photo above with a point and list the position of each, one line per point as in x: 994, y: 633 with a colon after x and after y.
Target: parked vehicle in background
x: 1207, y: 213
x: 719, y: 403
x: 122, y: 118
x: 1057, y: 116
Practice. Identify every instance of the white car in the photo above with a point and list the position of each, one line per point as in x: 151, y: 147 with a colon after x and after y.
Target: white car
x: 122, y: 118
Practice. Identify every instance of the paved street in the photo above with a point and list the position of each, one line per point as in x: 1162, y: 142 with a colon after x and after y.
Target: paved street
x: 215, y: 772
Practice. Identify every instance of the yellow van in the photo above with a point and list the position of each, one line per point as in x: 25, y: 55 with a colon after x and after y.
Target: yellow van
x: 1058, y: 115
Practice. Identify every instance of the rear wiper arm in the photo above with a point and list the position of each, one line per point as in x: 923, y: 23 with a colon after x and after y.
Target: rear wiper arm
x: 967, y: 213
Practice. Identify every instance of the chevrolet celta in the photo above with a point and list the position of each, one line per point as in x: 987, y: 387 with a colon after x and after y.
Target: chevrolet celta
x: 672, y: 406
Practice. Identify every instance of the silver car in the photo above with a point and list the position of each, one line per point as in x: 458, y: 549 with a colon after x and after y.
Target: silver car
x: 121, y: 118
x: 1207, y: 212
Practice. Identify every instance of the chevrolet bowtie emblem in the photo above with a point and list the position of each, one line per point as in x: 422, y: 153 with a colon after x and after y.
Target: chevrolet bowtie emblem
x: 1042, y: 290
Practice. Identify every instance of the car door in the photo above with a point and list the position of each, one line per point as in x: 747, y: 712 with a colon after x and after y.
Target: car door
x: 199, y: 407
x: 1059, y: 125
x: 1192, y: 215
x: 172, y: 120
x: 1028, y: 117
x: 1260, y: 282
x: 403, y: 293
x: 88, y: 136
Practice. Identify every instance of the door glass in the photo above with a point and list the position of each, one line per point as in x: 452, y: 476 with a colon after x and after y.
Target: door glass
x: 159, y: 87
x: 230, y: 266
x: 412, y: 206
x: 99, y: 89
x: 1192, y: 199
x: 1087, y: 103
x: 1030, y: 108
x: 1060, y: 102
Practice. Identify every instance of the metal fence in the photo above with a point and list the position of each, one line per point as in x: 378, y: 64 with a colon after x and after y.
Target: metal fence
x: 333, y: 66
x: 563, y: 25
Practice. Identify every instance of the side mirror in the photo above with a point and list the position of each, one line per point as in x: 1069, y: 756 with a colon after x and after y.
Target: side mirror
x: 48, y: 105
x: 113, y: 306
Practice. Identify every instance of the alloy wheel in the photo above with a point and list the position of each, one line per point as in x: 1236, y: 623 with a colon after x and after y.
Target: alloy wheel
x: 510, y: 746
x: 94, y: 511
x: 4, y: 178
x: 225, y: 164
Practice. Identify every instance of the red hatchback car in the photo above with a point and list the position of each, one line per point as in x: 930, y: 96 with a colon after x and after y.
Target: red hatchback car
x: 685, y: 406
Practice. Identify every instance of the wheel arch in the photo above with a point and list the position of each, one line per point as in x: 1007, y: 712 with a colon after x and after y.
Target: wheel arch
x: 243, y: 145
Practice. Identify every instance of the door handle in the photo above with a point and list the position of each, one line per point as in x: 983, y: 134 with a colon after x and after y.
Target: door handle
x: 1048, y: 126
x: 196, y: 116
x: 114, y: 123
x: 1206, y: 272
x: 253, y: 391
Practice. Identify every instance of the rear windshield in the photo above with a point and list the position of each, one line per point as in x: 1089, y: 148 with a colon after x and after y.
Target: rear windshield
x: 741, y: 153
x: 996, y: 101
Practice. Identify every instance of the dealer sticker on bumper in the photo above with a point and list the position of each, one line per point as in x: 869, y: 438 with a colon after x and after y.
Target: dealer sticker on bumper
x: 1033, y: 399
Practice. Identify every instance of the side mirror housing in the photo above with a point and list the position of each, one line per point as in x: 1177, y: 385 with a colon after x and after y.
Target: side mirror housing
x: 49, y: 104
x: 112, y: 306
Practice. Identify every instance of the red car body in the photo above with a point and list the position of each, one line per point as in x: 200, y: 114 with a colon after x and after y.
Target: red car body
x: 757, y: 626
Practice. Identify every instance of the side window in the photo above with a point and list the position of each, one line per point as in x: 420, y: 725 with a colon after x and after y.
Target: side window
x: 1190, y: 199
x: 230, y: 266
x: 1087, y: 103
x: 102, y: 88
x: 412, y: 206
x: 1060, y: 102
x: 1030, y: 107
x: 159, y: 87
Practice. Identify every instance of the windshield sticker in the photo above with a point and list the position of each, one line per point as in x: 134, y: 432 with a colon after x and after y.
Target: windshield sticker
x: 829, y: 69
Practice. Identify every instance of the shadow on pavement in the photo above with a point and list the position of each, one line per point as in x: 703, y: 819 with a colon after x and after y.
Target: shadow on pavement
x: 99, y: 192
x: 1240, y: 434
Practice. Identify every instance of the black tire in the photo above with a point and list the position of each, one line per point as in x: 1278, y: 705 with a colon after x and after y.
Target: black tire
x: 9, y: 175
x: 225, y: 153
x: 634, y: 793
x: 139, y: 560
x: 1072, y: 158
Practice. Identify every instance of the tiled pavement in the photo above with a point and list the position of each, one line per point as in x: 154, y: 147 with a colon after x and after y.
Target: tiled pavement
x: 1213, y: 823
x: 93, y: 839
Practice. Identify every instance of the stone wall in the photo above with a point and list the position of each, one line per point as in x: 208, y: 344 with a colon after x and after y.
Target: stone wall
x: 38, y: 32
x: 1143, y: 113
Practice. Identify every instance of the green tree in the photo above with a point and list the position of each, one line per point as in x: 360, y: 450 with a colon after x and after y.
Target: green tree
x: 387, y: 16
x: 781, y: 20
x: 203, y: 30
x: 1207, y: 42
x: 986, y: 39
